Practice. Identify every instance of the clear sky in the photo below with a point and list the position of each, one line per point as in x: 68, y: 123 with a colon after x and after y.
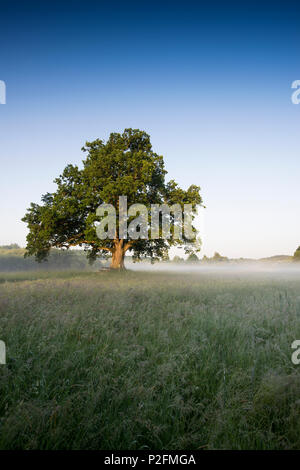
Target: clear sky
x: 210, y: 82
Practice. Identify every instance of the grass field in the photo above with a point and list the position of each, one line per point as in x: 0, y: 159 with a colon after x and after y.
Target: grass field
x: 149, y: 361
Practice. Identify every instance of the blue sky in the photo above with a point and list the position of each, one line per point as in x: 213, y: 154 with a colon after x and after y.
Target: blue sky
x: 211, y: 84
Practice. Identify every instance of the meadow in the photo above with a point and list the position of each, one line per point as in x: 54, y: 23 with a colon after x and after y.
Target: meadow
x: 149, y: 360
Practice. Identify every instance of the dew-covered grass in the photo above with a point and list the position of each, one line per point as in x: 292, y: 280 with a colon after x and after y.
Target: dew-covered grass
x: 149, y: 361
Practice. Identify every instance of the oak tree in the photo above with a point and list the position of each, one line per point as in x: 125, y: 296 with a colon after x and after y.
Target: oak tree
x: 123, y: 165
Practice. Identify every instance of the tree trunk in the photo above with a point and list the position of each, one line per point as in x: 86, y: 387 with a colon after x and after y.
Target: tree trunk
x: 118, y: 254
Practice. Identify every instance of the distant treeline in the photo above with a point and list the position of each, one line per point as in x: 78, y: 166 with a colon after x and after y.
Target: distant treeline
x: 217, y: 258
x: 193, y: 258
x: 297, y: 254
x: 12, y: 259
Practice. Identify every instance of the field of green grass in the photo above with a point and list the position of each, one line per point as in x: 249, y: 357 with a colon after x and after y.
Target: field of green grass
x: 149, y: 361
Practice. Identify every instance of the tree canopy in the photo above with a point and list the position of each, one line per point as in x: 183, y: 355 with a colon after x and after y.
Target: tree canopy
x: 297, y: 254
x: 193, y: 258
x: 124, y: 165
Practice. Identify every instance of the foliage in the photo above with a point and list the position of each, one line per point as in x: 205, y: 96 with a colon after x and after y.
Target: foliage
x: 192, y: 258
x: 217, y: 258
x: 177, y: 259
x: 13, y: 260
x: 297, y: 254
x: 12, y: 246
x: 124, y: 165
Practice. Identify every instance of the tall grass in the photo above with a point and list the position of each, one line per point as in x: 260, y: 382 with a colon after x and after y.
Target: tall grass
x: 149, y: 361
x: 12, y: 260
